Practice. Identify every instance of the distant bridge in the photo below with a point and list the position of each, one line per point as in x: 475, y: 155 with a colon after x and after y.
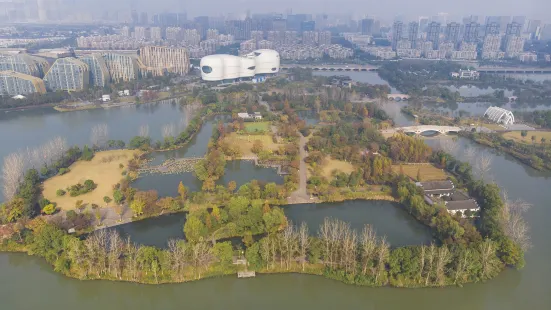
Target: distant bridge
x: 398, y: 96
x: 423, y: 129
x: 332, y: 67
x: 513, y: 70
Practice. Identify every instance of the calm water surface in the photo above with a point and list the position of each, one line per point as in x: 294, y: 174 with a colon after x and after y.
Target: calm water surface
x: 32, y: 127
x: 29, y: 283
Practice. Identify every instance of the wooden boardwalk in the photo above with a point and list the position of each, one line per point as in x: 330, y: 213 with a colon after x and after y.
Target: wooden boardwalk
x: 172, y: 166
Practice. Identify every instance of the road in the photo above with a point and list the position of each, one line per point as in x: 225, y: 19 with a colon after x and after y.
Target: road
x: 301, y: 194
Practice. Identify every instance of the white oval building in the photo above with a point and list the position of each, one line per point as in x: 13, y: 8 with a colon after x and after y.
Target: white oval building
x: 231, y: 68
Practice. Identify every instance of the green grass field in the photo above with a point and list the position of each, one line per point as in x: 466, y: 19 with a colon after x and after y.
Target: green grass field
x: 517, y: 136
x: 257, y: 127
x: 428, y: 172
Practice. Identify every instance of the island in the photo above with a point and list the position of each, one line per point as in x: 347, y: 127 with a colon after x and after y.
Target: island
x: 61, y: 207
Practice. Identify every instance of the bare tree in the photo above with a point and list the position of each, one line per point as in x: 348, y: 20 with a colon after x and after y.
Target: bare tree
x: 512, y: 221
x: 168, y: 131
x: 115, y: 247
x: 13, y: 171
x: 470, y: 153
x: 289, y: 239
x: 368, y: 245
x: 383, y: 251
x: 443, y: 256
x: 489, y: 262
x: 177, y: 251
x: 144, y: 131
x: 99, y: 135
x: 448, y: 145
x: 484, y: 164
x: 304, y: 242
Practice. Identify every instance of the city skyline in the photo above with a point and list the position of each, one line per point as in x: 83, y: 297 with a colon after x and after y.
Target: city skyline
x: 353, y: 9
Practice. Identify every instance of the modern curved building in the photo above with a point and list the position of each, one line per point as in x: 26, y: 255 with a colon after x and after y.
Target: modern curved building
x: 231, y: 68
x: 500, y: 115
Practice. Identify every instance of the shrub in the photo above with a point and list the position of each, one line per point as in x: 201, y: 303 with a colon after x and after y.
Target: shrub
x: 60, y: 192
x: 49, y: 209
x: 63, y: 171
x: 89, y: 185
x: 80, y: 189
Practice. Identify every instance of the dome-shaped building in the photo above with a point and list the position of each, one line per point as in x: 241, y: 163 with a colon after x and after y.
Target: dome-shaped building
x: 229, y: 68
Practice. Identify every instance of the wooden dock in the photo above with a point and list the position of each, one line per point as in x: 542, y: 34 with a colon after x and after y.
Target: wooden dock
x: 246, y: 274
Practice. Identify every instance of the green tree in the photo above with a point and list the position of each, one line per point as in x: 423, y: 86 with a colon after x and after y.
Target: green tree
x: 523, y: 133
x: 224, y: 253
x: 49, y: 209
x: 182, y: 191
x: 137, y: 206
x: 12, y: 210
x: 48, y: 242
x: 118, y: 196
x: 194, y: 229
x: 419, y: 175
x: 106, y: 199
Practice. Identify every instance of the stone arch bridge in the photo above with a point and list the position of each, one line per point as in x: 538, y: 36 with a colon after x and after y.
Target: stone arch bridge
x: 418, y: 130
x: 397, y: 97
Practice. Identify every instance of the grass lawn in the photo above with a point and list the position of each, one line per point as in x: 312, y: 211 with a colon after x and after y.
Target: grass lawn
x: 428, y: 172
x: 516, y: 135
x: 257, y: 126
x: 103, y: 169
x: 330, y: 164
x: 245, y: 142
x: 495, y: 127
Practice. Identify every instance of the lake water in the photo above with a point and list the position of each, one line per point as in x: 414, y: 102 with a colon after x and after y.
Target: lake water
x: 32, y: 127
x: 369, y: 77
x: 473, y: 91
x: 531, y: 76
x: 239, y: 171
x: 29, y: 283
x: 388, y: 219
x: 479, y: 108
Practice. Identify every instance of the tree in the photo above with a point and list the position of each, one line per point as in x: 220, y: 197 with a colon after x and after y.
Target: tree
x: 182, y: 191
x: 107, y: 200
x: 194, y: 229
x: 533, y: 139
x: 79, y: 205
x: 118, y: 196
x: 232, y: 185
x: 12, y: 174
x: 49, y: 209
x: 523, y: 133
x: 138, y: 206
x: 258, y: 147
x: 224, y: 254
x: 419, y: 175
x: 12, y: 210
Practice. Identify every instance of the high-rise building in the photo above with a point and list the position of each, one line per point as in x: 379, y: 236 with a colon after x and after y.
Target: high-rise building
x: 141, y: 33
x: 470, y: 33
x: 24, y: 63
x: 15, y: 83
x: 122, y: 68
x: 492, y: 28
x: 308, y: 25
x: 125, y: 31
x: 413, y: 33
x: 433, y: 34
x: 513, y: 28
x: 367, y: 26
x: 310, y: 38
x: 514, y: 45
x: 397, y: 33
x: 135, y: 17
x: 99, y: 74
x: 158, y: 60
x: 294, y: 21
x: 257, y: 35
x: 533, y: 26
x: 212, y: 34
x: 144, y: 20
x: 156, y: 34
x: 324, y: 38
x: 452, y: 32
x: 279, y: 24
x: 202, y: 25
x: 423, y: 23
x: 67, y: 74
x: 174, y: 34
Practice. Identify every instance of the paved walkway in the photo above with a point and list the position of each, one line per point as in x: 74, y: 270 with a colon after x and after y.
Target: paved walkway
x: 301, y: 194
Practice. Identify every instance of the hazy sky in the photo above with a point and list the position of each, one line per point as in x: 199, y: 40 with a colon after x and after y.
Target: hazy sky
x: 385, y: 8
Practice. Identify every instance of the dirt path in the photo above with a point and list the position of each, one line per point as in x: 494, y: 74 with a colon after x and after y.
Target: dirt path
x: 301, y: 194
